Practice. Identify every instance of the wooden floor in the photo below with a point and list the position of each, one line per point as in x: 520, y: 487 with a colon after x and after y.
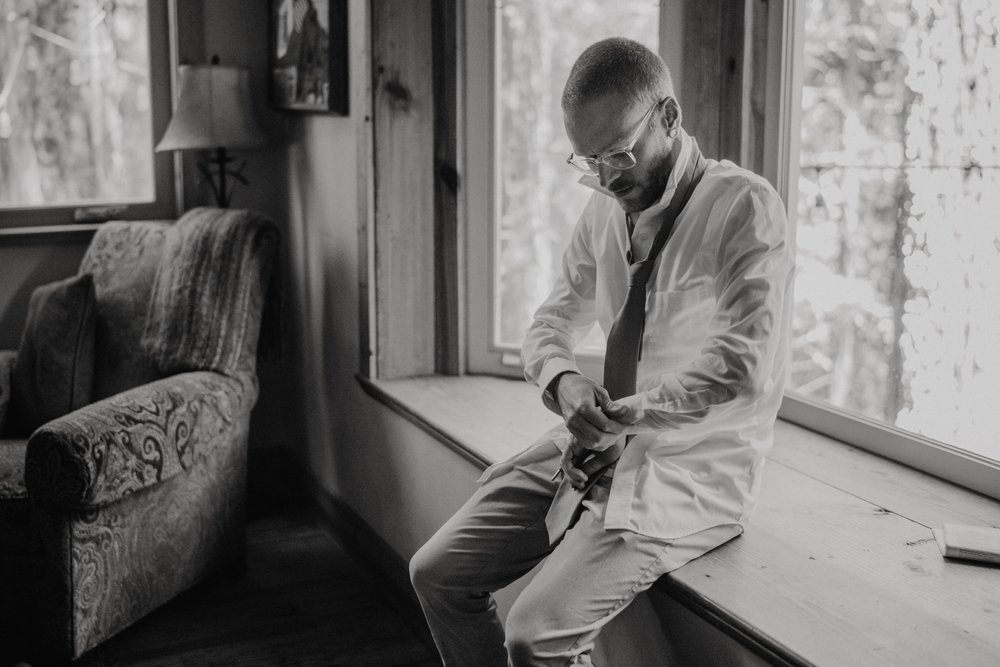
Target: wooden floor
x: 302, y: 602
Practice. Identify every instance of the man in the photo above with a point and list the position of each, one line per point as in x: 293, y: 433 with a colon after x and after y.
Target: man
x: 701, y: 389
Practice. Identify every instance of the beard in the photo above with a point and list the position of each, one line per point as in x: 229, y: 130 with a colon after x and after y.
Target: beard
x: 646, y: 183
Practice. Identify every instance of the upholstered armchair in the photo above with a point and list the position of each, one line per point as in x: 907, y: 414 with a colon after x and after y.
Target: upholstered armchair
x: 123, y: 428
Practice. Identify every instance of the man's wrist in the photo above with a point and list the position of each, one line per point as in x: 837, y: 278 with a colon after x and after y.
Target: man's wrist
x: 550, y: 396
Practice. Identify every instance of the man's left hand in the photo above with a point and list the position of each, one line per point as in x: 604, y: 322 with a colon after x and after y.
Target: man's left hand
x: 579, y: 463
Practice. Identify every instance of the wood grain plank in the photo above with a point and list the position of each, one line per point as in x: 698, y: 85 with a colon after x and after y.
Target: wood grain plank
x: 911, y: 493
x: 702, y: 64
x: 404, y: 187
x: 755, y: 78
x: 838, y: 580
x: 732, y: 62
x: 493, y: 417
x: 448, y: 314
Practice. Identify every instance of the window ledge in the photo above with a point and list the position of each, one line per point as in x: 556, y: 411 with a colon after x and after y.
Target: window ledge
x: 78, y: 232
x: 838, y: 566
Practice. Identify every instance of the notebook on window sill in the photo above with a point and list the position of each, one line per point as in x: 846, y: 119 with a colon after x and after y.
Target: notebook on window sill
x: 979, y: 543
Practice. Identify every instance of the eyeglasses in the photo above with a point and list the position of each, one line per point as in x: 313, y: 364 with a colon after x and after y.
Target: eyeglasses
x: 619, y: 158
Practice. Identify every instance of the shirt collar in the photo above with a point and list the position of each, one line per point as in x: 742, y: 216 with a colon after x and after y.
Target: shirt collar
x: 594, y: 182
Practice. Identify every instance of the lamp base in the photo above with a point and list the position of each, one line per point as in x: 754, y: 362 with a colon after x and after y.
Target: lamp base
x: 217, y: 171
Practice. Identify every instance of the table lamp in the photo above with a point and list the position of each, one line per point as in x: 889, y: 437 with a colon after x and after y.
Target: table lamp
x: 214, y: 113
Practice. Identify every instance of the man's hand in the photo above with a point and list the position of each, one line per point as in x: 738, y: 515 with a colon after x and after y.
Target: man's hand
x: 589, y: 412
x: 579, y: 463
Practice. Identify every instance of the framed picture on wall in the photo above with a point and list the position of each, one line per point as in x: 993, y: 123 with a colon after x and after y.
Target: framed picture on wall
x: 308, y: 56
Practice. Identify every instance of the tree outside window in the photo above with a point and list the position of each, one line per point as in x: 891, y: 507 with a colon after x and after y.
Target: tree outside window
x: 75, y: 103
x: 898, y: 271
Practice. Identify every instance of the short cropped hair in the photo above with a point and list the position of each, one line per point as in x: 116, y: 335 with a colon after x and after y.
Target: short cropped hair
x: 617, y: 66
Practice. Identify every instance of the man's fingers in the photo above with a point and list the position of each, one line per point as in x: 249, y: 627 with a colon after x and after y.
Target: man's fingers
x: 616, y: 410
x: 600, y: 460
x: 590, y: 425
x: 583, y: 430
x: 570, y: 462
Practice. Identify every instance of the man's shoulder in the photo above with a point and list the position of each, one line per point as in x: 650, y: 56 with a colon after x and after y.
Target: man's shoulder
x: 736, y: 179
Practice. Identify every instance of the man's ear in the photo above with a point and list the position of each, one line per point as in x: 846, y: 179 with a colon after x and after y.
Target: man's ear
x: 672, y: 114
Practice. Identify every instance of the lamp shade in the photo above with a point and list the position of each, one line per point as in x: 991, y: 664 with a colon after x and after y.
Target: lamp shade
x: 213, y: 111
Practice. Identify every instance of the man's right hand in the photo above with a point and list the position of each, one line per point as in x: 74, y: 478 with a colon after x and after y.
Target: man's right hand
x: 589, y: 412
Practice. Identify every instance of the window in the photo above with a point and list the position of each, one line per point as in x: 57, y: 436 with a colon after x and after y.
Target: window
x: 534, y: 199
x: 78, y: 109
x: 898, y: 246
x: 881, y: 135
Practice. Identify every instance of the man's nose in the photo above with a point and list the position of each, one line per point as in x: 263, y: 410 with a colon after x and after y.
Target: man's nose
x: 607, y: 174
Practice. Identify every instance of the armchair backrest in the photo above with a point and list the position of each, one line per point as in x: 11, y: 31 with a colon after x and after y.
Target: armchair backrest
x: 123, y: 258
x: 178, y: 297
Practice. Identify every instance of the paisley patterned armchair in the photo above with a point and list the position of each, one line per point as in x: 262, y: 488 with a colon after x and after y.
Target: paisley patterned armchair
x: 110, y: 510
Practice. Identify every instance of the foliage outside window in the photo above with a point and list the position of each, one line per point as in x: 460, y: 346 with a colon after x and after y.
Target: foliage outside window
x: 539, y: 200
x: 75, y: 103
x: 898, y: 271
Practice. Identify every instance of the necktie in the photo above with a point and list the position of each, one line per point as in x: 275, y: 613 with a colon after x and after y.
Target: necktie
x: 624, y: 346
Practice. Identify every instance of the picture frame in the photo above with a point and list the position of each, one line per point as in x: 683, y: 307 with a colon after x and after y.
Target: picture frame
x: 308, y: 57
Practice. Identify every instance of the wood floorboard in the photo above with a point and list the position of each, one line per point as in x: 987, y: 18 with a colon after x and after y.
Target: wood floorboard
x: 303, y: 601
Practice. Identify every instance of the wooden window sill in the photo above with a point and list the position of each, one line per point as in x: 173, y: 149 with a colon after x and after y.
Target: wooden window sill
x: 74, y: 233
x: 838, y: 565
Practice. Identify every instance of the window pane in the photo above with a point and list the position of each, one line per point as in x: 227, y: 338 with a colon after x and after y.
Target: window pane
x: 538, y: 198
x: 898, y: 280
x: 75, y: 114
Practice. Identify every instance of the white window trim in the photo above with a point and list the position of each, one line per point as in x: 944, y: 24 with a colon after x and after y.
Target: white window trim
x: 166, y: 190
x: 475, y: 146
x: 784, y: 82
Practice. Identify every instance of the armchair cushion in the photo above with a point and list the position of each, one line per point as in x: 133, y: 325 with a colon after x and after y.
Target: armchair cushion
x: 54, y: 371
x: 115, y: 447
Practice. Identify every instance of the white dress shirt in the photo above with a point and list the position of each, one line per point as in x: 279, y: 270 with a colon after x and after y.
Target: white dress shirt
x: 714, y: 349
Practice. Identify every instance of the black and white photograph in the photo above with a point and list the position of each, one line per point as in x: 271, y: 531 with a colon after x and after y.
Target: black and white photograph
x: 309, y: 67
x: 500, y: 333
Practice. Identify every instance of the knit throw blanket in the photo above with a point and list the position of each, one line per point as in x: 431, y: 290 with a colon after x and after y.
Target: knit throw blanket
x: 206, y: 304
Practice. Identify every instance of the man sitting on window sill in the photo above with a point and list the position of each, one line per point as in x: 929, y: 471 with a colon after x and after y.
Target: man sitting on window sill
x: 686, y: 265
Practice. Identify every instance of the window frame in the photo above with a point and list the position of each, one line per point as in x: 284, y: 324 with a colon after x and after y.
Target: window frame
x: 166, y: 187
x: 783, y: 72
x: 483, y: 355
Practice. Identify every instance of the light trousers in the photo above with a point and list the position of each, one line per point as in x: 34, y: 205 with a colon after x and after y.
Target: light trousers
x: 499, y: 535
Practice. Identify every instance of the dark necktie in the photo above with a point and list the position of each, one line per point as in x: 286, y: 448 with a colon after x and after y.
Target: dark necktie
x: 624, y: 347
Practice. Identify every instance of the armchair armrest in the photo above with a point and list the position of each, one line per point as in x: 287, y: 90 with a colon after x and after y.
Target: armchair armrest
x: 7, y: 359
x: 110, y: 449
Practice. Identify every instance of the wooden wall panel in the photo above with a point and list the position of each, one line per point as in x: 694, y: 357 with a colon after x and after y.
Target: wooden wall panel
x: 403, y: 110
x: 732, y: 107
x: 448, y: 315
x: 713, y: 104
x: 755, y: 73
x: 702, y: 64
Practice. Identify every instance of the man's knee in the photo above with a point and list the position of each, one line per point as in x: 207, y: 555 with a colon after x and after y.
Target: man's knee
x: 533, y: 632
x: 428, y: 567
